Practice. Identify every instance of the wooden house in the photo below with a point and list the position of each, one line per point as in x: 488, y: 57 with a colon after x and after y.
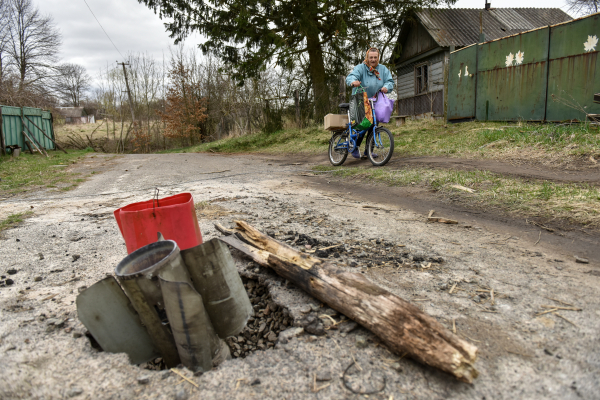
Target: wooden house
x: 427, y: 37
x: 76, y: 115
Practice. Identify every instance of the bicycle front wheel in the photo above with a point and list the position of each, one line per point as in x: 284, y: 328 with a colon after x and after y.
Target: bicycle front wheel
x: 338, y: 148
x: 380, y: 146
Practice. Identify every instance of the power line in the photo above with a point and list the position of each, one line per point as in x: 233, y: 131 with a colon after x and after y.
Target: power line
x: 113, y: 43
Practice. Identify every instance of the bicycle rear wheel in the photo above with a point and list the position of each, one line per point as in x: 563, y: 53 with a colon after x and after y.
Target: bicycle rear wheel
x: 380, y: 146
x: 338, y: 148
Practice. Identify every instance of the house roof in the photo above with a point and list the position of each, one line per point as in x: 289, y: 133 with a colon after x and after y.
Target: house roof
x: 460, y: 26
x: 71, y: 112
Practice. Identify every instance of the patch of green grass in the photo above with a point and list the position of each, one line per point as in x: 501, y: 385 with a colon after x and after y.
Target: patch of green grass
x: 491, y: 139
x: 13, y: 220
x: 577, y: 203
x: 28, y: 172
x: 307, y: 140
x: 482, y: 140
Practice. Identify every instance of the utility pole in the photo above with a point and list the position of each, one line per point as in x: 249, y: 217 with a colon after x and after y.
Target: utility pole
x: 128, y: 93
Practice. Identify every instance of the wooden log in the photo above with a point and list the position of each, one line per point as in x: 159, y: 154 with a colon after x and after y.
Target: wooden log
x: 404, y: 328
x: 49, y: 138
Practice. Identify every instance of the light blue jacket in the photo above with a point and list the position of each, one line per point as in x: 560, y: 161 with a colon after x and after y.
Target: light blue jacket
x: 369, y: 80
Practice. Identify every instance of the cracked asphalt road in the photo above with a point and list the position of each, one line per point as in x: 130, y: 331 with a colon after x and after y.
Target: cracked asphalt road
x: 522, y: 352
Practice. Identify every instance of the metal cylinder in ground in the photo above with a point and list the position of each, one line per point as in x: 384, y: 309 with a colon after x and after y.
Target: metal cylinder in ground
x: 197, y: 342
x: 216, y: 278
x: 138, y: 275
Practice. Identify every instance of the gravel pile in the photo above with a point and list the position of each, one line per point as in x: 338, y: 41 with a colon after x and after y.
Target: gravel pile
x: 263, y: 327
x: 370, y: 253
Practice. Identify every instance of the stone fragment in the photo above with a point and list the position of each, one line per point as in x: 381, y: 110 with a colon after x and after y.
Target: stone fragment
x: 348, y: 327
x: 59, y: 323
x: 272, y: 337
x: 305, y: 309
x: 37, y: 279
x: 74, y: 391
x: 12, y: 271
x: 361, y: 342
x: 286, y: 335
x: 143, y: 379
x: 397, y: 366
x: 75, y: 257
x: 262, y: 327
x: 324, y: 375
x: 181, y: 395
x: 581, y: 260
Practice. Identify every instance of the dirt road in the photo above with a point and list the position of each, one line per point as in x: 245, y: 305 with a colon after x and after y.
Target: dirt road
x: 72, y: 241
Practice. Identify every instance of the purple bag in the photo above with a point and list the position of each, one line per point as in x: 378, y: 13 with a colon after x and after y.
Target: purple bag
x: 384, y: 107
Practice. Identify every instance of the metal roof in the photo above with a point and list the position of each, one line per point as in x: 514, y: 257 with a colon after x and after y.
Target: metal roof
x: 460, y: 26
x: 71, y: 112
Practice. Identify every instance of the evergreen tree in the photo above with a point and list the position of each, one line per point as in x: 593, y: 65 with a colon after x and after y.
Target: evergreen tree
x: 249, y: 35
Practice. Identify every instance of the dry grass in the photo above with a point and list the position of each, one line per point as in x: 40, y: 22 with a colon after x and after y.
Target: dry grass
x: 576, y: 203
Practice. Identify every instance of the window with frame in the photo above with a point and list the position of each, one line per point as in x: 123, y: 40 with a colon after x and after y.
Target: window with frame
x: 421, y: 78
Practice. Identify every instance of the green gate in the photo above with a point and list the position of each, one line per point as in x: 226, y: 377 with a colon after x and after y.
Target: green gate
x: 11, y: 132
x: 547, y: 74
x: 461, y: 87
x: 574, y: 74
x: 511, y: 80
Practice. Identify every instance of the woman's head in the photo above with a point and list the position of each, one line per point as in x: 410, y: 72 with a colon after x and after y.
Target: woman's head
x: 372, y: 57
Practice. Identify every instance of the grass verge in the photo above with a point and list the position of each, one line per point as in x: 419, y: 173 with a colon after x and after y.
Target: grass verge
x: 28, y: 172
x: 307, y: 140
x: 498, y: 140
x: 13, y: 220
x: 552, y: 144
x: 576, y: 203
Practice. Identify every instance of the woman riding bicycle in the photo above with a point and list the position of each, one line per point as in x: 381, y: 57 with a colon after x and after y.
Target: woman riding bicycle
x: 372, y: 76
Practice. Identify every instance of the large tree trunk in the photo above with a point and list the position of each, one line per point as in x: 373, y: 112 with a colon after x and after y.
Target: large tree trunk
x: 316, y: 64
x: 404, y: 328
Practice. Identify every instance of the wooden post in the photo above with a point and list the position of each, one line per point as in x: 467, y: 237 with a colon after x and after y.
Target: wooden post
x: 404, y: 328
x: 297, y: 101
x: 128, y: 93
x: 2, y: 139
x: 49, y: 138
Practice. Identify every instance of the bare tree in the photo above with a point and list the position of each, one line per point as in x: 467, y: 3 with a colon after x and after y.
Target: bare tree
x: 4, y: 36
x: 34, y: 42
x: 71, y: 83
x: 583, y: 7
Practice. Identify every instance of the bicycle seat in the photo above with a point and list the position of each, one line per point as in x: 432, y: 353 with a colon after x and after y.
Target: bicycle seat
x: 344, y: 106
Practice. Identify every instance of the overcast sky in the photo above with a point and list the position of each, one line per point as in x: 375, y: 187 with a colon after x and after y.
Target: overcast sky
x: 134, y: 28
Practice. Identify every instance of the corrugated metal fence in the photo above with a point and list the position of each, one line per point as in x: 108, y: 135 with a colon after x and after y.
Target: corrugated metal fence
x: 547, y: 74
x: 11, y: 124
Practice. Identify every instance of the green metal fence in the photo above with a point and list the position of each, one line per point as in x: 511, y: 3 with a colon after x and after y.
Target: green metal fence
x: 36, y: 120
x: 548, y: 74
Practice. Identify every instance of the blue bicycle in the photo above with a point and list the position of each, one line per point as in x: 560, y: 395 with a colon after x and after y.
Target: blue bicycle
x: 380, y: 141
